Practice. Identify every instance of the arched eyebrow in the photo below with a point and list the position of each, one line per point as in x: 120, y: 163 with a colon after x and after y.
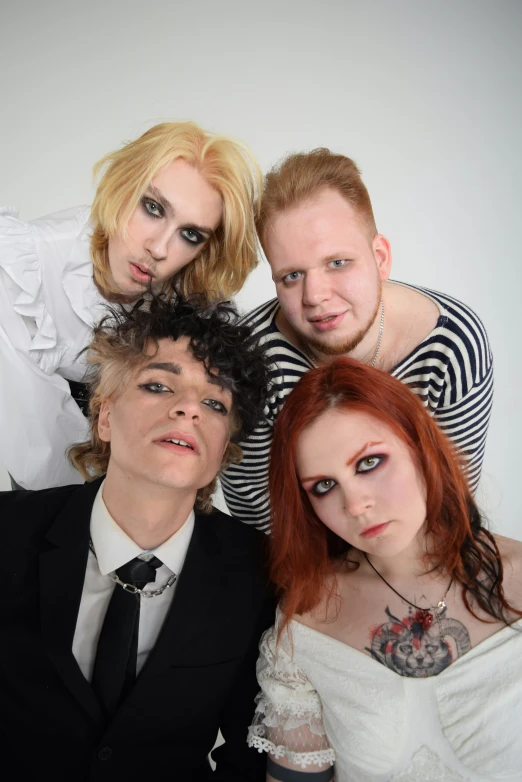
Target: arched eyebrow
x: 354, y: 458
x: 176, y: 369
x: 167, y: 206
x: 165, y: 366
x: 351, y: 460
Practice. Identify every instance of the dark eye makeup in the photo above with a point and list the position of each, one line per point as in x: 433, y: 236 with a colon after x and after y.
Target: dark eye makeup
x: 154, y: 387
x: 152, y: 208
x: 370, y: 463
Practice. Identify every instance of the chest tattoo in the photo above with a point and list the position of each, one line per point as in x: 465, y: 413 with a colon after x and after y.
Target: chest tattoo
x: 410, y: 648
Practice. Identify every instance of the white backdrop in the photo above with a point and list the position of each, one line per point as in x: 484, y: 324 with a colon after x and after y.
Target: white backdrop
x: 425, y: 96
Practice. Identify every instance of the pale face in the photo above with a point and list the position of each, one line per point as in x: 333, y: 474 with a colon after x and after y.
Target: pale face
x: 169, y: 228
x: 362, y: 482
x: 328, y: 272
x: 169, y: 397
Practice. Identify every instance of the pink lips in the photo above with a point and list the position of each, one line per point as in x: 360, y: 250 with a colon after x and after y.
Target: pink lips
x: 140, y: 273
x: 164, y: 441
x: 327, y: 322
x: 373, y: 532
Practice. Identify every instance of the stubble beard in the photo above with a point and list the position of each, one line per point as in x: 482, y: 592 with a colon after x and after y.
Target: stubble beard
x: 347, y: 345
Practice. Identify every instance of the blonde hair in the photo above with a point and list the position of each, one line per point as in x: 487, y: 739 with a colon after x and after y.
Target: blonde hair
x: 301, y: 176
x: 231, y: 254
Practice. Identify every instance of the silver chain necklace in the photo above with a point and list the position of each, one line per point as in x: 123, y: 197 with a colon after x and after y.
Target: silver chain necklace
x: 134, y: 590
x: 310, y: 356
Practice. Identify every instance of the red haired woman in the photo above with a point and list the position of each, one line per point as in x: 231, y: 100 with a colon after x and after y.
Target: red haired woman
x: 397, y: 652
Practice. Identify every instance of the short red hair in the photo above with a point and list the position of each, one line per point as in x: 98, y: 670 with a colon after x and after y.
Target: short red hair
x: 304, y: 552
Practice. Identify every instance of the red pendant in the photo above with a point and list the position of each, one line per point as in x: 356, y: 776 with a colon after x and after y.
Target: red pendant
x: 425, y: 619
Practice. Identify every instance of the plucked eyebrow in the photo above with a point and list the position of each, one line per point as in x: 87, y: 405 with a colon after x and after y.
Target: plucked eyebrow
x: 175, y: 369
x: 361, y: 451
x: 167, y: 206
x: 351, y: 460
x: 165, y: 366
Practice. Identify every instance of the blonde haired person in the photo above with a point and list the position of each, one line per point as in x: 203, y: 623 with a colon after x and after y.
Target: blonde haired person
x: 174, y: 209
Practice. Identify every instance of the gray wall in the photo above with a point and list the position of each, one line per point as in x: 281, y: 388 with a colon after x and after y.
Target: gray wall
x: 424, y: 96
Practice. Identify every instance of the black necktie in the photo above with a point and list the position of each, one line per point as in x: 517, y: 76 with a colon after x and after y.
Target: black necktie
x: 116, y: 656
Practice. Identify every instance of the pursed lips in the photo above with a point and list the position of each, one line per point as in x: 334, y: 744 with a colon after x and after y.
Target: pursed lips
x: 374, y: 530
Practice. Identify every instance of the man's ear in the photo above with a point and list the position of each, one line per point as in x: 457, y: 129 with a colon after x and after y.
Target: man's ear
x: 382, y: 254
x: 104, y: 424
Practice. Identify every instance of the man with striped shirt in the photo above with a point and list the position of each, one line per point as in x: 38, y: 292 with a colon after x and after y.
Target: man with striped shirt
x: 331, y: 269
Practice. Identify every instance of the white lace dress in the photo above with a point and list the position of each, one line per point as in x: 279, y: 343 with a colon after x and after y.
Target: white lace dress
x: 324, y: 701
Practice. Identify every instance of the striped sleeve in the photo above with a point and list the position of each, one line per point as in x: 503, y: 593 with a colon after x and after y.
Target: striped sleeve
x: 452, y: 369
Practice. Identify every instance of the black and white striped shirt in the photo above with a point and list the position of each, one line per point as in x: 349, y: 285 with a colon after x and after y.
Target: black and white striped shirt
x: 451, y: 371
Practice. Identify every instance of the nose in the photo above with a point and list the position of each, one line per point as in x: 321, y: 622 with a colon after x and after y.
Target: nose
x: 315, y: 288
x: 186, y: 405
x: 357, y: 501
x: 157, y: 243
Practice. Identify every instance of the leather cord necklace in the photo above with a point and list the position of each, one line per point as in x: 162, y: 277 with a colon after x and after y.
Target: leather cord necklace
x: 424, y: 615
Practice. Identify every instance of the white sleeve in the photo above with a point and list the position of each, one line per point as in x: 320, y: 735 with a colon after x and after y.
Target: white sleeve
x: 38, y: 417
x: 288, y: 721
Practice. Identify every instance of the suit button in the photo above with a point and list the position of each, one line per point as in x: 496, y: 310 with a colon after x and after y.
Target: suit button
x: 105, y: 753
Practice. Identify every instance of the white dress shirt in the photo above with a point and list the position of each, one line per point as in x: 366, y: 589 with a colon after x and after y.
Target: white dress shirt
x: 48, y: 306
x: 113, y: 549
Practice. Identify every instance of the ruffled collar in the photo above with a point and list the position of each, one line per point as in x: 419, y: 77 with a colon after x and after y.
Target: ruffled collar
x: 78, y: 281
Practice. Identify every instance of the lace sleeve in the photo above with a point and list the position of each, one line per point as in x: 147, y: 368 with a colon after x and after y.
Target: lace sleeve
x: 288, y: 721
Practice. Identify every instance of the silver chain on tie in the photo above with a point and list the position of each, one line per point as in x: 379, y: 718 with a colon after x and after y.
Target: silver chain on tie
x: 134, y: 590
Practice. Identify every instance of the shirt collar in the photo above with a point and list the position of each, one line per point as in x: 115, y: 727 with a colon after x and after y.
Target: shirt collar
x: 114, y: 548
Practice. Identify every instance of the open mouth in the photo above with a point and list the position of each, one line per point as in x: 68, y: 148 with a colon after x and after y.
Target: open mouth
x: 183, y: 443
x: 140, y: 273
x: 179, y: 442
x: 328, y: 322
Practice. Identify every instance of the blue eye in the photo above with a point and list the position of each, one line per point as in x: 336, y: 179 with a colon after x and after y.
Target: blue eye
x: 337, y: 264
x: 152, y: 208
x: 191, y: 236
x: 292, y: 277
x: 154, y: 388
x: 214, y: 404
x: 323, y: 487
x: 369, y: 463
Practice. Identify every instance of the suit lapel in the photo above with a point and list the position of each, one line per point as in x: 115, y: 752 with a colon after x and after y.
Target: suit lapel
x: 198, y: 592
x: 62, y: 574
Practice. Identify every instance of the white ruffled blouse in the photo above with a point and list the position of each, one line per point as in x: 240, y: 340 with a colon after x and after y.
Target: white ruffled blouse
x: 48, y: 306
x: 326, y: 702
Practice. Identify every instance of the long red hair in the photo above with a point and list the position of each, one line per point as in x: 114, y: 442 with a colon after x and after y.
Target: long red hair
x: 304, y: 552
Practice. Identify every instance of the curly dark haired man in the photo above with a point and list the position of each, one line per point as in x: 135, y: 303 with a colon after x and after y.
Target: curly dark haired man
x: 132, y: 608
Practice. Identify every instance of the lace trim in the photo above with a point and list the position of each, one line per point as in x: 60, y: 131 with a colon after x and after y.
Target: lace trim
x: 303, y: 759
x: 307, y: 709
x: 428, y: 766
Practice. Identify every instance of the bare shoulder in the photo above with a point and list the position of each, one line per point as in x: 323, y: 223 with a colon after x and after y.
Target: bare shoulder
x: 411, y: 317
x: 511, y: 554
x: 326, y: 609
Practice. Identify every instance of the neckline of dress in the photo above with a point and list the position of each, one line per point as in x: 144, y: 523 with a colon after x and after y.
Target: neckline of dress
x: 362, y: 655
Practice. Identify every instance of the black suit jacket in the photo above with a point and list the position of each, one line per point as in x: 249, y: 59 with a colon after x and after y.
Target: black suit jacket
x: 199, y: 677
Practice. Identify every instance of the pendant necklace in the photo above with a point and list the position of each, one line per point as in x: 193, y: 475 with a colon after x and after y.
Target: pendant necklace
x: 424, y: 616
x: 311, y: 358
